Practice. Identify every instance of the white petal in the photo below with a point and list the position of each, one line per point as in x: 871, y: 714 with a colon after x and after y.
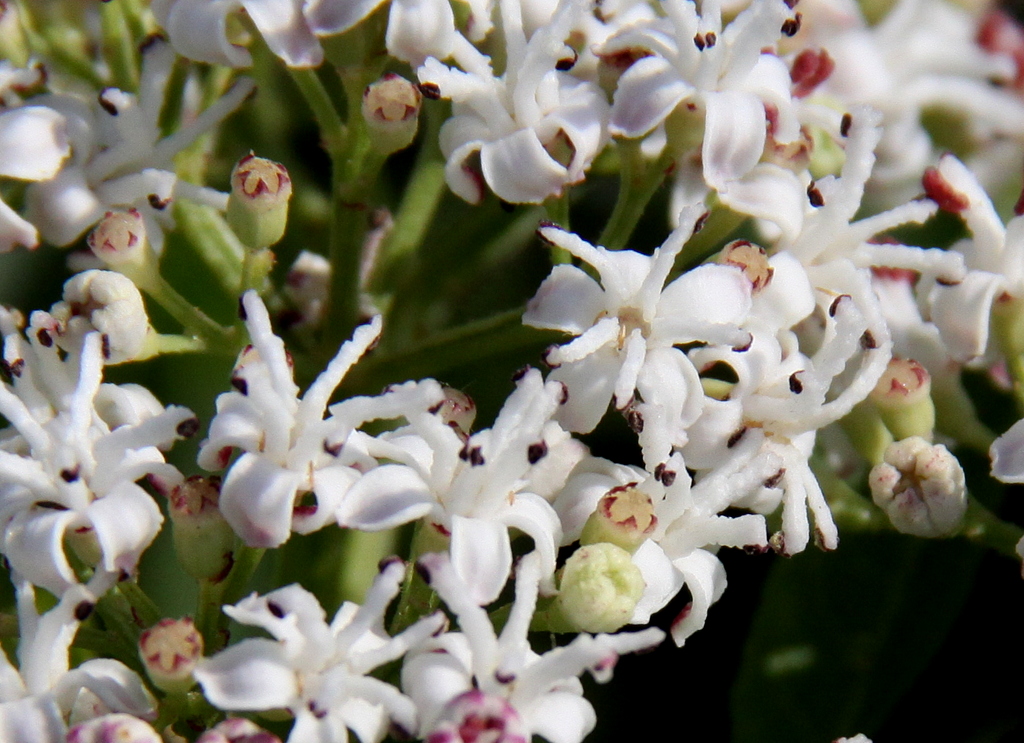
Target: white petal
x: 961, y: 313
x: 418, y: 29
x: 481, y: 556
x: 734, y: 135
x: 769, y: 192
x: 561, y: 717
x: 15, y: 231
x: 33, y: 143
x: 705, y: 577
x: 114, y: 683
x: 662, y: 579
x: 31, y: 720
x: 198, y: 30
x: 590, y: 383
x: 257, y: 499
x: 519, y: 170
x: 252, y: 675
x: 329, y: 17
x: 567, y: 300
x: 1007, y: 454
x: 126, y: 522
x: 647, y: 93
x: 284, y: 29
x: 385, y: 497
x: 710, y: 293
x: 64, y: 207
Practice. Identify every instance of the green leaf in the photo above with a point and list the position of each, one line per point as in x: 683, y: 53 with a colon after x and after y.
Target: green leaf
x: 840, y: 637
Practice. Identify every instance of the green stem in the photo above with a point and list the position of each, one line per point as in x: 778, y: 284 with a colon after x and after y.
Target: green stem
x: 458, y: 346
x: 850, y: 509
x: 218, y: 247
x: 1015, y: 367
x: 332, y: 129
x: 720, y: 223
x: 418, y: 599
x: 984, y: 528
x: 640, y: 178
x: 124, y: 629
x: 213, y: 595
x: 354, y: 174
x: 557, y: 208
x: 208, y: 613
x: 361, y: 553
x: 161, y: 343
x: 8, y: 626
x: 144, y: 609
x: 119, y: 46
x: 190, y: 316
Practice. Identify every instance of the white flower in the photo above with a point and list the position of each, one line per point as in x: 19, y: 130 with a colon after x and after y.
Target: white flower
x: 287, y: 447
x: 67, y: 475
x: 628, y: 326
x: 688, y: 58
x: 536, y: 129
x: 462, y: 679
x: 319, y: 672
x: 472, y: 488
x: 120, y: 158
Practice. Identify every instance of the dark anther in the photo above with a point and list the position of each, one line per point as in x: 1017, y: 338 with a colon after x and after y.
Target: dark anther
x: 476, y: 457
x: 945, y: 281
x: 52, y: 505
x: 795, y: 385
x: 157, y: 203
x: 333, y: 449
x: 564, y: 397
x: 814, y: 196
x: 635, y: 420
x: 70, y: 474
x: 710, y: 39
x: 240, y: 384
x: 83, y: 610
x: 388, y: 562
x: 188, y: 428
x: 844, y: 125
x: 242, y: 314
x: 834, y: 307
x: 105, y: 345
x: 536, y: 452
x: 520, y: 373
x: 107, y: 106
x: 430, y: 90
x: 16, y: 367
x: 504, y: 678
x: 701, y: 221
x: 567, y: 63
x: 664, y: 475
x: 699, y: 42
x: 791, y: 26
x: 735, y: 438
x: 44, y: 337
x: 774, y: 480
x: 150, y: 41
x: 276, y: 610
x: 422, y: 571
x: 868, y: 342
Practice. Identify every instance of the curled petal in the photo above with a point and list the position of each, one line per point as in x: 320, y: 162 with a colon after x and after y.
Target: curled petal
x: 257, y: 499
x: 252, y: 675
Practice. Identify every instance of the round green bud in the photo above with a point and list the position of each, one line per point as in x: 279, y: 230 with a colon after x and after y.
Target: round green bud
x: 258, y: 204
x: 600, y: 588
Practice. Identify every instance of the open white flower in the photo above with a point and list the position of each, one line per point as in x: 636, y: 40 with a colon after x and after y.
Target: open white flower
x: 288, y: 448
x: 67, y: 474
x: 317, y: 671
x: 535, y: 128
x: 628, y: 326
x: 462, y: 679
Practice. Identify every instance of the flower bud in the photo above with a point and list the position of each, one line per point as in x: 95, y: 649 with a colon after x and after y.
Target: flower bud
x: 114, y: 728
x: 106, y: 302
x: 600, y: 588
x: 903, y: 398
x: 457, y: 409
x: 258, y: 204
x: 119, y: 240
x: 170, y: 650
x: 475, y: 715
x: 237, y: 730
x: 203, y: 539
x: 921, y: 487
x: 308, y: 286
x: 751, y: 259
x: 391, y: 109
x: 624, y: 517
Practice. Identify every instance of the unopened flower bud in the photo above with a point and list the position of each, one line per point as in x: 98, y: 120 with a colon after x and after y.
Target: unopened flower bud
x: 114, y: 728
x: 475, y: 715
x: 119, y: 239
x: 237, y: 730
x: 258, y: 204
x: 308, y: 286
x: 600, y: 588
x: 903, y: 398
x: 170, y: 650
x: 624, y: 517
x: 921, y: 488
x: 751, y: 259
x: 391, y: 109
x: 457, y: 409
x: 106, y: 302
x: 203, y: 539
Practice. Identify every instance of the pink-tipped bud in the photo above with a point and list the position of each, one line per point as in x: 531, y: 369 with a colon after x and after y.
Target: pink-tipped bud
x: 258, y: 204
x: 457, y: 409
x: 114, y: 728
x: 624, y: 517
x: 119, y: 239
x: 237, y: 730
x: 170, y: 650
x: 921, y: 487
x: 477, y: 717
x: 752, y: 260
x: 203, y: 539
x: 391, y: 109
x: 903, y: 398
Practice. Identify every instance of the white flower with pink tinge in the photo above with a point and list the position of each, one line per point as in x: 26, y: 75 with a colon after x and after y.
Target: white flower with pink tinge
x: 317, y: 671
x: 473, y: 679
x: 628, y: 326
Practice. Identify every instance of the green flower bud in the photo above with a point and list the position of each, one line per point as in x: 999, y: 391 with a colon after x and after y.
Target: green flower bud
x: 391, y: 109
x: 600, y: 588
x: 119, y: 240
x: 170, y: 650
x: 624, y: 517
x: 903, y: 398
x: 921, y: 487
x: 203, y: 540
x: 258, y: 204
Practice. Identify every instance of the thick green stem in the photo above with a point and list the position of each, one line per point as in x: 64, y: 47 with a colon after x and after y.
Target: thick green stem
x: 639, y: 180
x: 850, y: 510
x: 332, y: 128
x: 213, y: 595
x: 218, y: 247
x: 191, y: 317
